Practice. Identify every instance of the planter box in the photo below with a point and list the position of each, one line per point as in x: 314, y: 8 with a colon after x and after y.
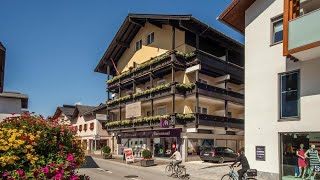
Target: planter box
x: 107, y: 156
x: 147, y: 163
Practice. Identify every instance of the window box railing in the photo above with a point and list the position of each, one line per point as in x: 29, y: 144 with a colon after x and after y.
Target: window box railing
x: 153, y: 92
x: 153, y: 63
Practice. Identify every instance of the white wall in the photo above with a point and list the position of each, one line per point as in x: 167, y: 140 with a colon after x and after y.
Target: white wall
x: 263, y: 64
x: 8, y: 106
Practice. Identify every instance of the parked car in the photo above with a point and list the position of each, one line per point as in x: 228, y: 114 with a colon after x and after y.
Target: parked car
x: 217, y: 154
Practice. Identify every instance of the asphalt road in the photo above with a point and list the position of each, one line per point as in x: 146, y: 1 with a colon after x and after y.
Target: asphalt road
x: 100, y: 169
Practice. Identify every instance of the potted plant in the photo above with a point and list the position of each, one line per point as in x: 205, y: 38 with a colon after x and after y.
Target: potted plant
x: 147, y: 159
x: 106, y: 152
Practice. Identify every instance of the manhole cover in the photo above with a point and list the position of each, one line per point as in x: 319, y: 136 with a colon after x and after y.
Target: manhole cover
x: 131, y: 176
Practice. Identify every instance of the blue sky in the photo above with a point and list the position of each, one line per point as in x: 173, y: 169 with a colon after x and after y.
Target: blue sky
x: 54, y: 46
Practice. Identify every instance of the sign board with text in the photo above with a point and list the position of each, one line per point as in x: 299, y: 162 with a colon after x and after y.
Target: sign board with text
x: 133, y: 110
x: 260, y: 153
x: 101, y: 116
x: 128, y: 155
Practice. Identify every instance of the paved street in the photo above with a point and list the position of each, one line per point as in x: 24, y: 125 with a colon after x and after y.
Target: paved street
x: 101, y: 169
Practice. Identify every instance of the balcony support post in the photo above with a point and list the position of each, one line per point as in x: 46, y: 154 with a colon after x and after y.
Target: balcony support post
x: 151, y: 84
x: 197, y: 98
x: 173, y: 38
x: 119, y: 94
x: 197, y: 42
x: 108, y: 78
x: 173, y: 90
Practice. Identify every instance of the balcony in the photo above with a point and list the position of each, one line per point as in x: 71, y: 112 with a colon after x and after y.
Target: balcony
x: 303, y: 35
x: 176, y: 119
x: 219, y: 93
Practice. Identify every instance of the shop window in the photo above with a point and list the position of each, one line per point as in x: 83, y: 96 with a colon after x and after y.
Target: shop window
x: 277, y: 30
x: 138, y: 45
x: 294, y: 146
x: 85, y: 127
x: 80, y: 128
x: 195, y: 146
x: 289, y: 95
x: 162, y: 110
x: 91, y: 126
x: 150, y: 38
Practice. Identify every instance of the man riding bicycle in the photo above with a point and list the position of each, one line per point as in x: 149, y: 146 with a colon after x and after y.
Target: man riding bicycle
x: 242, y: 160
x: 177, y: 157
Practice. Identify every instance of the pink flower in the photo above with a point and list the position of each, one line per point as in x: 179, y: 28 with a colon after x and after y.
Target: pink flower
x: 74, y: 178
x: 5, y: 174
x: 45, y: 170
x: 70, y: 157
x: 52, y: 164
x: 20, y: 172
x: 58, y: 176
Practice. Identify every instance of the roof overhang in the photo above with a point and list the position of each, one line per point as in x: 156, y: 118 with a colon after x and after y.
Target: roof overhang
x: 234, y: 15
x: 13, y: 95
x: 134, y: 22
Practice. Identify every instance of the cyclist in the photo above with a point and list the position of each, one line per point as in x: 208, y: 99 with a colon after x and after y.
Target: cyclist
x: 178, y: 158
x: 242, y: 160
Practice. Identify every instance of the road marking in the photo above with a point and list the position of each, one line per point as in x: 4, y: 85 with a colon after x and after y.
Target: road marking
x: 100, y: 169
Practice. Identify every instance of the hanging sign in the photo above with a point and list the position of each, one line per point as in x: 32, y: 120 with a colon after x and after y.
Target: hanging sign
x: 128, y: 155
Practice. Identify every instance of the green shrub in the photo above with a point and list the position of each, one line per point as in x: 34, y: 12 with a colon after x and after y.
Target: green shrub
x: 106, y: 149
x: 146, y: 154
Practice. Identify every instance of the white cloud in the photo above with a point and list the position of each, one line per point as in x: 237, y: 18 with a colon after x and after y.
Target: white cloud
x: 77, y: 103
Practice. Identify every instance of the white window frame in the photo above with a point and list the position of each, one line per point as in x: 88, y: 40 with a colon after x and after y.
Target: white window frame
x: 149, y: 38
x: 160, y: 107
x: 201, y: 109
x: 274, y: 21
x: 138, y: 45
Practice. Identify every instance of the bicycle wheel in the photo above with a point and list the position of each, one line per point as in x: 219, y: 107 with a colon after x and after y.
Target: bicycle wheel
x: 169, y: 170
x: 181, y: 172
x: 228, y: 177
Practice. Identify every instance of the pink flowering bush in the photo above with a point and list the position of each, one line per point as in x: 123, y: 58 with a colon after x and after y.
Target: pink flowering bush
x: 34, y: 148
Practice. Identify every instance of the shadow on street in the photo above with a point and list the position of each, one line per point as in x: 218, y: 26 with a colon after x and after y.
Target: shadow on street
x: 90, y: 163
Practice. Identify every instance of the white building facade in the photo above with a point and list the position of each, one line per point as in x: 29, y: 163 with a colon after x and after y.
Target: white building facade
x: 282, y: 62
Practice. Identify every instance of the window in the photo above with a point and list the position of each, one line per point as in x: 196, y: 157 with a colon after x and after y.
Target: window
x: 138, y: 45
x: 148, y: 113
x: 202, y: 110
x: 85, y: 127
x: 103, y: 125
x: 289, y: 95
x: 80, y: 128
x: 229, y: 114
x: 277, y: 30
x: 161, y: 82
x: 91, y: 126
x: 203, y: 81
x: 162, y: 110
x: 150, y: 38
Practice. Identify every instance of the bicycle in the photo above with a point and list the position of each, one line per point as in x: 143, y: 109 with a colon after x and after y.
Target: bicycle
x: 232, y: 175
x: 180, y: 171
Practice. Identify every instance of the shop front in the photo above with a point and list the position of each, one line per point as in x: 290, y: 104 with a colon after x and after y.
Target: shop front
x: 160, y: 142
x: 300, y: 155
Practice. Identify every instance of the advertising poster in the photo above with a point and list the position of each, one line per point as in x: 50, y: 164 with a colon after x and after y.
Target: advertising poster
x: 128, y: 155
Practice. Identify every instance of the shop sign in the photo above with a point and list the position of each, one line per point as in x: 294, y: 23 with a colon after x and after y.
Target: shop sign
x: 128, y: 155
x: 151, y: 134
x: 101, y: 117
x: 164, y: 123
x: 133, y: 110
x: 260, y: 153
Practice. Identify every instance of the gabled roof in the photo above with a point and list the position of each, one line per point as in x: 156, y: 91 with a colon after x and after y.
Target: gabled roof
x: 134, y: 22
x: 101, y: 106
x: 234, y: 14
x: 66, y: 109
x: 15, y: 95
x: 81, y: 109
